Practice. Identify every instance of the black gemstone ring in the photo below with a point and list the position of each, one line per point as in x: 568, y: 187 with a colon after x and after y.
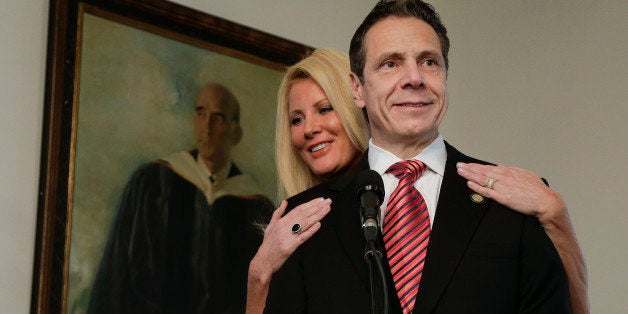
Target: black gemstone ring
x: 296, y: 228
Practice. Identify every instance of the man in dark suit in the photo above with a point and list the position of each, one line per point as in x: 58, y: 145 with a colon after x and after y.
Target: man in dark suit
x: 482, y: 257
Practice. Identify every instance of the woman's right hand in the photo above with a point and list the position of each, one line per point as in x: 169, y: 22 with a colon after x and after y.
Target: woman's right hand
x: 279, y: 240
x: 279, y: 243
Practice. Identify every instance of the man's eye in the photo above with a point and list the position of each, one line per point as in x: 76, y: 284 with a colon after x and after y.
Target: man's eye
x: 430, y: 62
x: 199, y: 111
x: 217, y: 118
x: 389, y: 64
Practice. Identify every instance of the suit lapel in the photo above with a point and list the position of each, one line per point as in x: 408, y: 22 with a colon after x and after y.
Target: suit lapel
x: 457, y: 218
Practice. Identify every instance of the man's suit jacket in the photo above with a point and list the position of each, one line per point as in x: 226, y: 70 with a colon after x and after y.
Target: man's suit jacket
x: 482, y: 258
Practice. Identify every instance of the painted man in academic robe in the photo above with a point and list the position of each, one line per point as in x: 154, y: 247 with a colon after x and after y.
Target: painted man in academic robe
x: 187, y: 226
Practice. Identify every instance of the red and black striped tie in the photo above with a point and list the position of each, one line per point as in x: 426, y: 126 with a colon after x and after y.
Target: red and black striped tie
x: 406, y: 232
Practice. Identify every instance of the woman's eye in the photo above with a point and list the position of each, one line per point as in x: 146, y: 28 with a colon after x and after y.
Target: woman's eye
x: 326, y: 109
x: 296, y: 120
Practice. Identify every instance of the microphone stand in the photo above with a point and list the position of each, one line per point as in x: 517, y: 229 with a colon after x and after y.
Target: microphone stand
x: 373, y: 256
x: 370, y: 194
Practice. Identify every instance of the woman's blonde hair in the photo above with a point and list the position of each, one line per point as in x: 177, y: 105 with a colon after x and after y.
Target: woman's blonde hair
x: 329, y: 68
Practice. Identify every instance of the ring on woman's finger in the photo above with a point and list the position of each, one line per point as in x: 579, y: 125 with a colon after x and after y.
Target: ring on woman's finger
x: 296, y: 228
x: 490, y: 183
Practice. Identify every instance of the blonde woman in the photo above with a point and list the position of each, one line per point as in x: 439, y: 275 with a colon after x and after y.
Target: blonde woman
x: 320, y: 133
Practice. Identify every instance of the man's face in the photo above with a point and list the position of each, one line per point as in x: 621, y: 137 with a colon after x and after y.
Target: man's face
x: 405, y: 89
x: 215, y: 131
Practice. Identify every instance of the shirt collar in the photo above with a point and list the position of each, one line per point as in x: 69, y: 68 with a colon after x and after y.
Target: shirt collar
x: 434, y: 156
x: 219, y: 176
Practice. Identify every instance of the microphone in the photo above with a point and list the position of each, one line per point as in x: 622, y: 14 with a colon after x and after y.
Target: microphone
x: 370, y: 193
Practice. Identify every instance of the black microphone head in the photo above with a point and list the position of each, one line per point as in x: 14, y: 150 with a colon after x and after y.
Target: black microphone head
x: 369, y: 180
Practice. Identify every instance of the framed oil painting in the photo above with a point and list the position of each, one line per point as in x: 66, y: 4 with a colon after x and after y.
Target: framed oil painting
x: 123, y: 78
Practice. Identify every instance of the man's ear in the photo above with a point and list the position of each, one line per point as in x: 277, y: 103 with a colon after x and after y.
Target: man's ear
x: 236, y: 134
x: 356, y: 90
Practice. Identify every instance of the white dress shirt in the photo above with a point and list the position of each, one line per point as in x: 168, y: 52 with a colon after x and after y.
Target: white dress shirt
x: 433, y: 156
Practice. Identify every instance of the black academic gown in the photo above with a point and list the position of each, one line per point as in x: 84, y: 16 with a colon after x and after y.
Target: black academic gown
x: 171, y: 252
x: 482, y: 258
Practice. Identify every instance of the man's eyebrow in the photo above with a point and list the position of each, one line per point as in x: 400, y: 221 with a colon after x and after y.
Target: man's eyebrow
x: 430, y: 53
x: 393, y: 55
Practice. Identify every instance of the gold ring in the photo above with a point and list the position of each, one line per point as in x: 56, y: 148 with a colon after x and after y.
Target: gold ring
x: 490, y: 183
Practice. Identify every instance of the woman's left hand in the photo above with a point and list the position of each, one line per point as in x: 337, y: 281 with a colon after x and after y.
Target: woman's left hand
x: 517, y: 188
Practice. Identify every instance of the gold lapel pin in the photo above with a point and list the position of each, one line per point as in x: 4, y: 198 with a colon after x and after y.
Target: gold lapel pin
x: 477, y: 198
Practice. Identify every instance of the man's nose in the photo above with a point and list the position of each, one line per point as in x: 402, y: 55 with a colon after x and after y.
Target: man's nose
x: 412, y: 76
x: 213, y: 121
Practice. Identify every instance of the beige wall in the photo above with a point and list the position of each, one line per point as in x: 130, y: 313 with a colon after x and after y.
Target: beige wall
x: 539, y: 84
